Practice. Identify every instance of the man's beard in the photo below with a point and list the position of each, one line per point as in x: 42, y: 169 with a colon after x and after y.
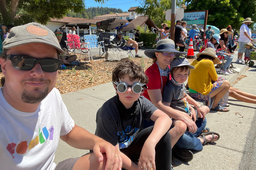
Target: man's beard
x: 35, y: 97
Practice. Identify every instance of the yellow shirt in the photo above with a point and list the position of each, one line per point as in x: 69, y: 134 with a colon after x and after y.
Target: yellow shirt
x: 201, y: 77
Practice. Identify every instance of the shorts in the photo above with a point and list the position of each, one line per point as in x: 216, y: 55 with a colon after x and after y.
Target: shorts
x: 241, y: 47
x: 66, y: 164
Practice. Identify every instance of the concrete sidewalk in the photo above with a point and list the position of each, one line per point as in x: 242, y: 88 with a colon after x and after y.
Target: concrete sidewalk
x: 234, y: 150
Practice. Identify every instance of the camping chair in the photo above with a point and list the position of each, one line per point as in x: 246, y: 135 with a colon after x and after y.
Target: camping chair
x: 93, y: 42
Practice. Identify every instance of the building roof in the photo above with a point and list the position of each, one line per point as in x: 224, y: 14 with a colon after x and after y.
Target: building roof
x: 73, y: 20
x: 116, y: 15
x: 139, y: 21
x: 132, y: 9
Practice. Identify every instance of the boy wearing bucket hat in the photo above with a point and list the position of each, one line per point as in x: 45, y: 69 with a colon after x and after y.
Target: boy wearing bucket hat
x: 32, y: 113
x: 175, y: 96
x: 245, y: 37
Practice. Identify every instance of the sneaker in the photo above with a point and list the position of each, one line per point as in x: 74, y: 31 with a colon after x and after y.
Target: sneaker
x: 138, y: 56
x: 239, y: 61
x: 184, y: 155
x: 229, y: 71
x: 224, y: 72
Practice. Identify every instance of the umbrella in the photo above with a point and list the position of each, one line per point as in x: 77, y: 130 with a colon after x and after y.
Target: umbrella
x: 214, y: 28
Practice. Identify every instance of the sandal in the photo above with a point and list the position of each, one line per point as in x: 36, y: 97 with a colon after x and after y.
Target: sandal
x: 203, y: 136
x: 220, y: 108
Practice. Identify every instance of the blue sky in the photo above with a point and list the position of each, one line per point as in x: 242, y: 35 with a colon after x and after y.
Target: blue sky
x: 122, y: 4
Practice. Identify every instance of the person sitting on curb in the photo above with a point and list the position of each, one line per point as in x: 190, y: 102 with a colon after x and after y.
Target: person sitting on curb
x: 158, y: 74
x: 119, y: 121
x: 32, y: 113
x: 205, y: 85
x: 174, y: 95
x: 120, y: 42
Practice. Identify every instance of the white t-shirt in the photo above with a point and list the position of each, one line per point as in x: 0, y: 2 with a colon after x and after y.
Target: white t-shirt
x: 242, y: 37
x: 29, y: 140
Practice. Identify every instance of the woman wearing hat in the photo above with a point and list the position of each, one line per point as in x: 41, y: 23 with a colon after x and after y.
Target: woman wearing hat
x: 245, y: 37
x: 201, y: 80
x: 157, y: 74
x: 226, y: 53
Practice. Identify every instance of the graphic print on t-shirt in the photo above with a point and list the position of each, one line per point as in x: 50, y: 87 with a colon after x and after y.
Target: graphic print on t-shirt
x: 23, y: 146
x: 124, y: 139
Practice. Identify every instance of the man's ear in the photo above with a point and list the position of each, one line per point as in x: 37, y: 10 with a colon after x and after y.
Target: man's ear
x: 3, y: 65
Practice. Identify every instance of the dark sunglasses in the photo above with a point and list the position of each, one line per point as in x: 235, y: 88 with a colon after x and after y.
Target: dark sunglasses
x: 136, y: 87
x: 26, y: 63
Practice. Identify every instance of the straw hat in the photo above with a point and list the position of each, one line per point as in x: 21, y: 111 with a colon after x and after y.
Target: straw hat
x: 165, y: 45
x: 249, y: 44
x: 210, y: 52
x: 223, y: 31
x: 248, y: 19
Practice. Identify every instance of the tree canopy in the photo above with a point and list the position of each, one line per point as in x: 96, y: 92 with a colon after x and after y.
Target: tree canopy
x: 14, y: 12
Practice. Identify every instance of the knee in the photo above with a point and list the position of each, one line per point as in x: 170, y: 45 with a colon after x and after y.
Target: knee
x: 180, y: 126
x: 226, y: 84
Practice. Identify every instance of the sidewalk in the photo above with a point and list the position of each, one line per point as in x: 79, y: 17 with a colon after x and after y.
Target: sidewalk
x: 233, y: 150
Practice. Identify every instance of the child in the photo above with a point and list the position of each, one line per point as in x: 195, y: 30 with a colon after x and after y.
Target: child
x: 248, y: 50
x: 174, y: 95
x: 119, y: 121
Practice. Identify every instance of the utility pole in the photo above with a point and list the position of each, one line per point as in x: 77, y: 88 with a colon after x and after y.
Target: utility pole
x: 173, y: 18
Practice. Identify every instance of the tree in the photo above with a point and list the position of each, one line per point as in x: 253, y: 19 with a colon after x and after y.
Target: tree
x: 222, y: 13
x: 14, y: 12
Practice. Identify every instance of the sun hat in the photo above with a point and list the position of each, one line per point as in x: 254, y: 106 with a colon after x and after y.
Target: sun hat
x: 223, y: 30
x: 216, y: 37
x: 210, y: 52
x: 249, y: 44
x: 165, y: 45
x: 179, y: 62
x: 248, y: 19
x: 31, y: 33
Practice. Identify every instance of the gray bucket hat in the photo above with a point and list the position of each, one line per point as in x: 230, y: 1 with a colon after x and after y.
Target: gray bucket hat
x: 165, y: 45
x: 181, y: 61
x: 31, y: 33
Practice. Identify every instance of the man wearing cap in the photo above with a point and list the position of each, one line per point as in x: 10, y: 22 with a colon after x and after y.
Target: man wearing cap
x: 33, y: 116
x: 244, y: 38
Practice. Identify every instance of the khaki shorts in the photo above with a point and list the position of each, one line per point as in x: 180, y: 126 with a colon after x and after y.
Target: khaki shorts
x: 67, y: 164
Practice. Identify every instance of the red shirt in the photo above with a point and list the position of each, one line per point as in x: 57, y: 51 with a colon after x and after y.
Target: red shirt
x: 155, y: 81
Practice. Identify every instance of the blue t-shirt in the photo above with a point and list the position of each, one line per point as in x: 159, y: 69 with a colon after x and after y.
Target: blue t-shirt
x: 193, y: 32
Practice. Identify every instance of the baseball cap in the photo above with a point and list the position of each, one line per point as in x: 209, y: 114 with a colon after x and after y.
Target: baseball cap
x: 31, y: 33
x: 181, y: 61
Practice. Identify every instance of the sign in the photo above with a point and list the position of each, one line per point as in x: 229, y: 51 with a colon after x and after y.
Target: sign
x: 179, y: 14
x: 197, y: 17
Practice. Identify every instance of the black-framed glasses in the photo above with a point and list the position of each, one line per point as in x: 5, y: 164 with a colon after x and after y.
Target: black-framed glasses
x: 137, y: 87
x: 26, y: 63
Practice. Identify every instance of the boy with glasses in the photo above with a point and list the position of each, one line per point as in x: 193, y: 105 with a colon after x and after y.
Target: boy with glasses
x: 33, y: 116
x: 119, y: 121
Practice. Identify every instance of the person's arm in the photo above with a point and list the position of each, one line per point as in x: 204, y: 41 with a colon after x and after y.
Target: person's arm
x: 161, y: 126
x: 246, y: 34
x: 82, y: 139
x: 156, y: 99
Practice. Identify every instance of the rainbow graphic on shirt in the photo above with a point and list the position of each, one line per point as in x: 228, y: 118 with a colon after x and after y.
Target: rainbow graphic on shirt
x: 24, y: 146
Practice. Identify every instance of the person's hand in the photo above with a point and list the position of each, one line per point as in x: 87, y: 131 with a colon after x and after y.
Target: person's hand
x: 112, y: 154
x: 190, y: 123
x: 147, y: 157
x: 202, y: 111
x: 193, y: 114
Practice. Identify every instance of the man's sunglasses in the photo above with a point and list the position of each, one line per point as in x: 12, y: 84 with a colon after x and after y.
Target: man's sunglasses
x: 26, y: 63
x: 136, y: 87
